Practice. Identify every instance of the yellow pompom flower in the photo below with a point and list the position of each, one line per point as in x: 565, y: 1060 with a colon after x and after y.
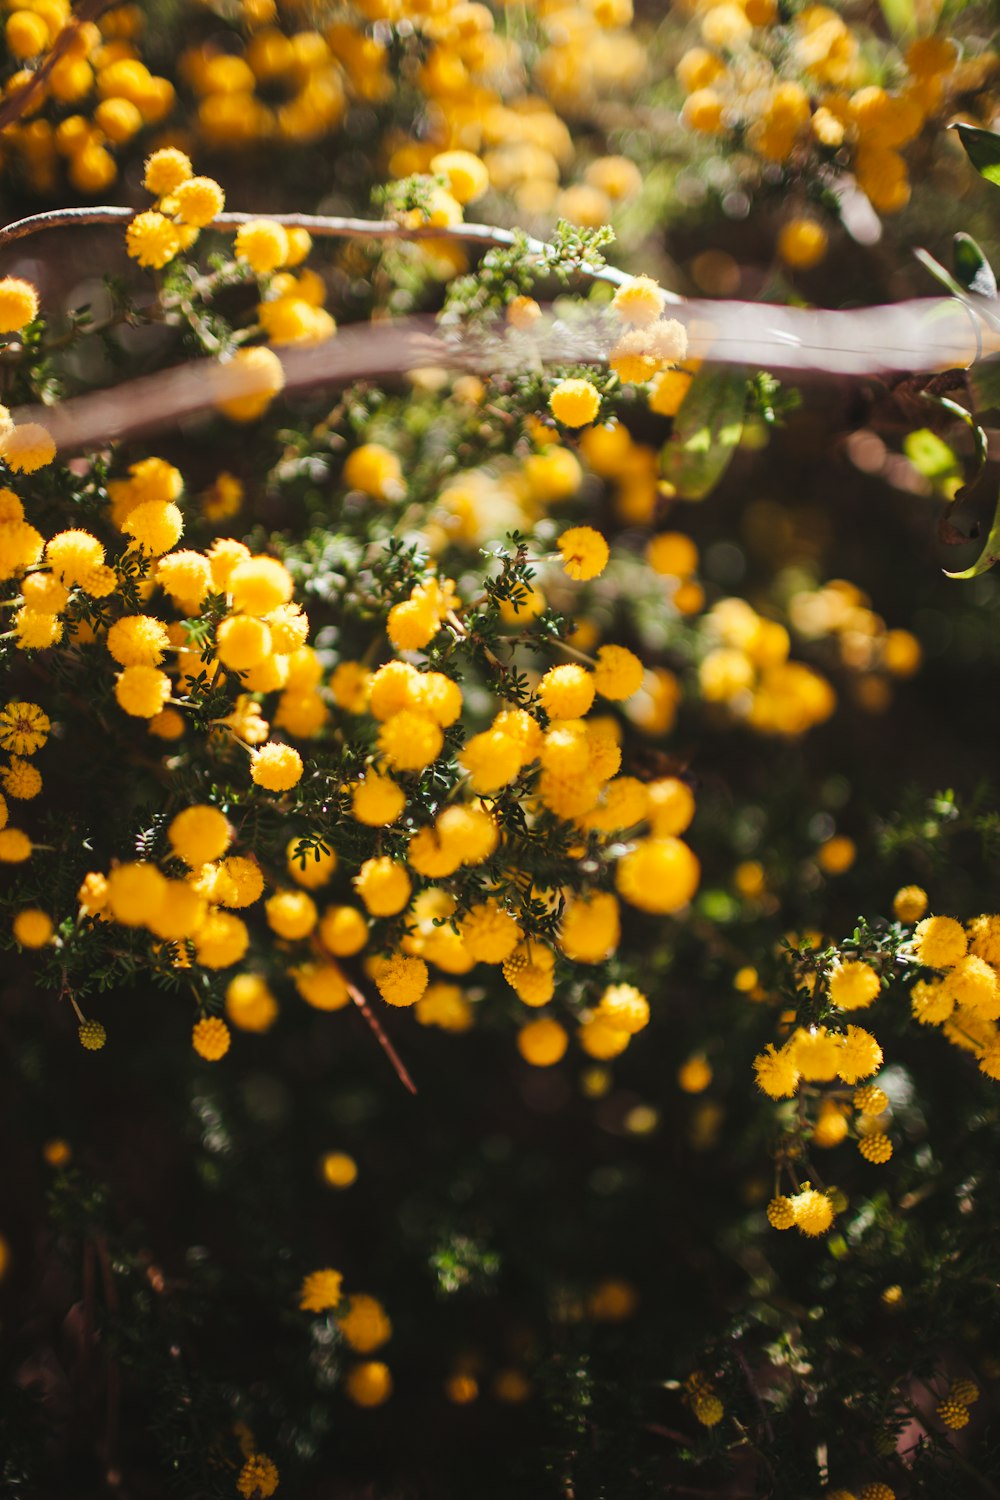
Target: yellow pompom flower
x: 321, y: 985
x: 876, y: 1147
x: 275, y: 767
x: 468, y: 177
x: 591, y: 928
x: 859, y: 1056
x: 320, y: 1291
x: 492, y: 760
x: 410, y: 741
x: 940, y: 942
x: 72, y: 555
x: 369, y: 1384
x: 33, y: 927
x: 197, y: 201
x: 777, y: 1073
x: 24, y: 727
x: 155, y: 526
x: 781, y: 1213
x: 138, y: 640
x: 343, y: 930
x: 543, y: 1042
x: 311, y: 868
x: 813, y: 1211
x: 263, y: 244
x: 250, y: 1004
x: 259, y: 585
x: 575, y: 402
x: 566, y: 692
x: 489, y: 933
x: 15, y: 846
x: 243, y: 642
x: 248, y: 383
x: 211, y: 1038
x: 340, y: 1171
x: 364, y: 1325
x: 658, y: 875
x: 376, y: 471
x: 853, y: 985
x: 27, y: 448
x: 618, y: 673
x: 20, y: 779
x: 802, y: 243
x: 291, y: 914
x: 383, y: 885
x: 909, y: 903
x: 401, y: 980
x: 639, y: 302
x: 152, y: 240
x: 258, y: 1478
x: 142, y: 691
x: 165, y: 171
x: 92, y: 1035
x: 18, y: 303
x: 584, y: 552
x: 707, y: 1409
x: 625, y: 1007
x: 221, y: 940
x: 239, y: 882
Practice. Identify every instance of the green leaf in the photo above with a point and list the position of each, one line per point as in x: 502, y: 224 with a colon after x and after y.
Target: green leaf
x: 984, y: 383
x: 707, y: 430
x: 972, y: 268
x: 990, y: 553
x: 983, y: 150
x: 900, y: 17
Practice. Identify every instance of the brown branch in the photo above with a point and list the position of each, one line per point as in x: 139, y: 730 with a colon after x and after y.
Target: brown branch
x: 13, y: 107
x: 321, y: 226
x: 383, y: 1040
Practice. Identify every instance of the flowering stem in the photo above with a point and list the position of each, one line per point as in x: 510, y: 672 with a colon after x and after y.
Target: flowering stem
x: 383, y: 1040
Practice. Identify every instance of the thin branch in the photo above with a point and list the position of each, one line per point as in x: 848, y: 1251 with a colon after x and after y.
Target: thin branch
x: 322, y: 226
x: 383, y: 1040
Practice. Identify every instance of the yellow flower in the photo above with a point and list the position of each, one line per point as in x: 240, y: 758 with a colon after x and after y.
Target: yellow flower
x: 321, y: 1290
x: 575, y: 402
x: 584, y: 552
x: 18, y: 302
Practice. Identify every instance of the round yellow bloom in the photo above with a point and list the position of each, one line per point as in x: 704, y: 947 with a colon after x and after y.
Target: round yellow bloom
x: 165, y: 171
x: 32, y: 927
x: 211, y: 1038
x: 781, y: 1212
x: 248, y: 384
x: 263, y: 244
x: 291, y: 914
x: 566, y: 692
x: 155, y: 526
x: 258, y: 1478
x: 492, y: 759
x: 275, y: 767
x: 853, y: 985
x: 860, y: 1055
x: 837, y: 855
x: 197, y: 201
x: 239, y: 882
x: 940, y: 942
x: 777, y: 1072
x: 639, y: 302
x: 72, y: 555
x: 909, y: 903
x: 376, y: 471
x: 383, y: 885
x: 369, y: 1384
x: 259, y: 585
x: 343, y: 930
x: 468, y: 177
x: 250, y: 1004
x: 876, y: 1147
x: 341, y: 1171
x: 24, y: 727
x: 591, y: 928
x: 21, y: 779
x: 584, y: 552
x: 575, y: 402
x: 401, y: 980
x: 813, y: 1211
x: 138, y: 640
x: 26, y: 34
x: 142, y: 691
x: 313, y: 866
x: 321, y: 1290
x: 658, y: 875
x: 92, y: 1035
x: 364, y: 1325
x: 542, y: 1042
x: 27, y: 448
x: 15, y: 846
x: 489, y: 933
x: 707, y: 1409
x: 322, y: 985
x: 220, y: 940
x: 802, y: 243
x: 618, y: 674
x: 152, y: 240
x: 18, y: 303
x: 410, y: 741
x: 199, y: 834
